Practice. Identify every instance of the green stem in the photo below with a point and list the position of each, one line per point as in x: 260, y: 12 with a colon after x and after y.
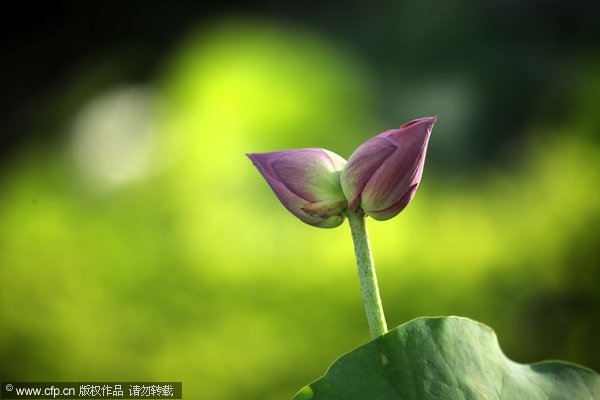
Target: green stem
x: 366, y: 274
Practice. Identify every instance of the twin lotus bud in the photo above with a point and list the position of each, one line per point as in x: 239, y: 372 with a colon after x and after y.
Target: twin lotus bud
x: 379, y: 179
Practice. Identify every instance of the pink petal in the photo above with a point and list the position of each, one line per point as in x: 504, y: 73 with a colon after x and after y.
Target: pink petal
x: 312, y: 174
x: 293, y: 166
x: 396, y: 208
x: 361, y: 166
x: 401, y: 172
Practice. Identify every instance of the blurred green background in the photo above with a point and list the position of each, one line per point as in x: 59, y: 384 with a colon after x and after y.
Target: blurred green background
x: 137, y: 242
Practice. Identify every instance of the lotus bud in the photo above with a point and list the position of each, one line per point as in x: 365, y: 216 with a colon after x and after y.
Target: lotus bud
x: 307, y: 182
x: 383, y: 174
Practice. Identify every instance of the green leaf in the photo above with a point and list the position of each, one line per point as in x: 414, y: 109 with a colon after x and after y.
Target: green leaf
x: 446, y: 358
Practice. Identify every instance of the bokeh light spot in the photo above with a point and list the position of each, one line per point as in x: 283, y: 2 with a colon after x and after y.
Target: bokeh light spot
x: 113, y: 137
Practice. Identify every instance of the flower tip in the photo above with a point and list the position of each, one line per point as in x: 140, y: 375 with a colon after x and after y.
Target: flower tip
x: 426, y: 121
x: 254, y: 157
x: 251, y: 156
x: 431, y: 121
x: 262, y: 160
